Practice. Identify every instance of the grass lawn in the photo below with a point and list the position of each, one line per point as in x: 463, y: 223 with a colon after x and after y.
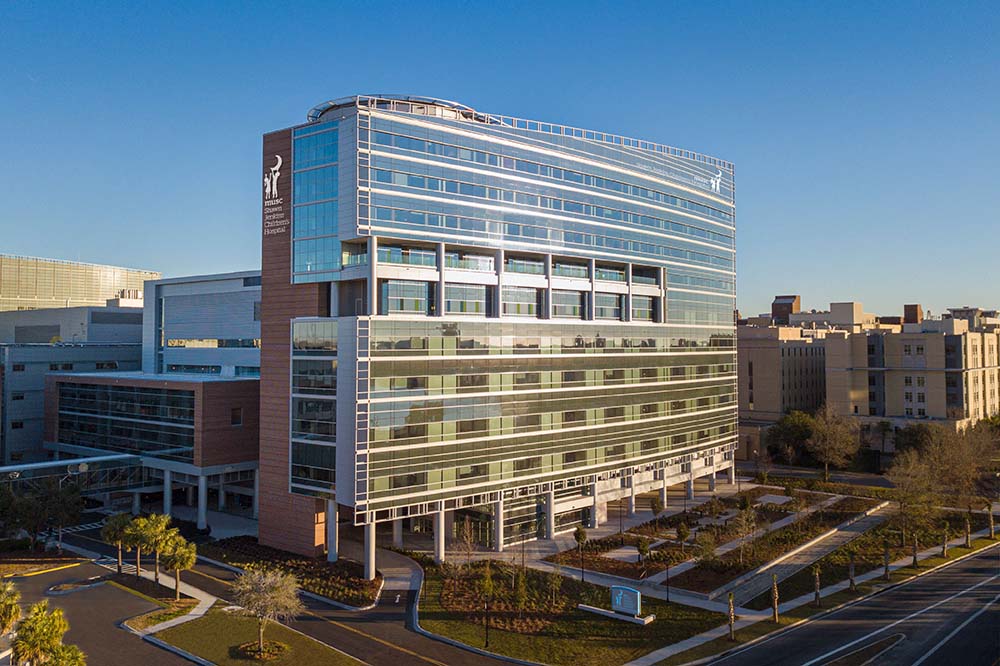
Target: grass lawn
x: 158, y: 594
x: 172, y: 610
x: 803, y: 612
x: 217, y: 635
x: 559, y: 633
x: 707, y: 576
x: 341, y: 581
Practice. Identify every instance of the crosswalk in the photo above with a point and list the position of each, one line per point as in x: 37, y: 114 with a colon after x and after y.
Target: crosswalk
x: 111, y: 564
x: 83, y: 528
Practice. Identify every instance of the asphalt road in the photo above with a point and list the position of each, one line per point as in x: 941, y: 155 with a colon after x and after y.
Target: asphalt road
x: 97, y: 633
x: 377, y: 636
x: 946, y: 618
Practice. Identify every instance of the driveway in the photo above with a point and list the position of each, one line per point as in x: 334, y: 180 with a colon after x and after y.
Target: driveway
x: 94, y: 615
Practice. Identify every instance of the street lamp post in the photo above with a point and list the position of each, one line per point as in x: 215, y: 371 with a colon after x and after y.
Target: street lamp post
x: 487, y: 646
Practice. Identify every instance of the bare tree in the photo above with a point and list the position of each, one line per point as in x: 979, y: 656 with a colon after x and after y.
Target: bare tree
x: 912, y: 477
x: 834, y: 440
x: 269, y: 595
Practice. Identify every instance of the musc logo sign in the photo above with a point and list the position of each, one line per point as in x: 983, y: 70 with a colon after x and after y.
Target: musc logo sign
x: 626, y: 600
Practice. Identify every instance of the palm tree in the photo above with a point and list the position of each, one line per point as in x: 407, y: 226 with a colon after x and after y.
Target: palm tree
x: 137, y: 538
x: 10, y: 607
x: 179, y: 555
x: 114, y: 532
x: 64, y: 506
x: 39, y: 639
x: 159, y: 534
x: 269, y: 595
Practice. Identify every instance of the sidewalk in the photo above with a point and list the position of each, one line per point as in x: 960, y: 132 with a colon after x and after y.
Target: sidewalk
x: 749, y: 589
x: 205, y: 600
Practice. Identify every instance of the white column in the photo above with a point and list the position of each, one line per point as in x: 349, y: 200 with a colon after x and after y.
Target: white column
x: 372, y: 275
x: 663, y: 489
x: 439, y: 536
x: 498, y: 525
x: 689, y: 488
x: 397, y: 533
x: 731, y: 472
x: 711, y: 481
x: 550, y: 515
x: 332, y: 531
x: 256, y: 493
x: 222, y: 492
x: 136, y: 504
x: 591, y: 300
x: 370, y: 551
x: 631, y: 500
x: 202, y: 502
x: 168, y: 492
x: 440, y: 285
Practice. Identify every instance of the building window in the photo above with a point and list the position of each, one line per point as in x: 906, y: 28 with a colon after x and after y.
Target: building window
x: 920, y: 381
x: 404, y: 296
x: 19, y: 367
x: 521, y: 301
x: 920, y: 350
x: 907, y: 381
x: 466, y: 299
x: 53, y: 366
x: 247, y: 371
x: 568, y: 304
x: 17, y: 425
x: 920, y: 397
x: 907, y: 350
x: 236, y: 416
x: 17, y: 396
x: 608, y: 306
x: 909, y: 411
x: 921, y: 412
x: 107, y: 365
x: 908, y: 396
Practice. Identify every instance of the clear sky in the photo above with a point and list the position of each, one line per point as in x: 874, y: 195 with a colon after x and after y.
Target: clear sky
x: 866, y: 135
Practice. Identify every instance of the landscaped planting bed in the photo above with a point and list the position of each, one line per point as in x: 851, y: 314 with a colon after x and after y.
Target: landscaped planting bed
x: 834, y: 487
x: 869, y: 552
x: 341, y: 581
x: 595, y: 560
x: 549, y: 628
x: 709, y: 575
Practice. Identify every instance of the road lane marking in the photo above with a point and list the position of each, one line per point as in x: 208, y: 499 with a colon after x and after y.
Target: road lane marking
x: 900, y: 621
x: 956, y: 630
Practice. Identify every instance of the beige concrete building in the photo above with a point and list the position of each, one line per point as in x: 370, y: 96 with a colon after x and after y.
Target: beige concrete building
x: 935, y: 371
x: 781, y: 369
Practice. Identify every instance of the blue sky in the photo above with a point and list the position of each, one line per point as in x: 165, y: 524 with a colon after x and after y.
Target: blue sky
x: 865, y: 135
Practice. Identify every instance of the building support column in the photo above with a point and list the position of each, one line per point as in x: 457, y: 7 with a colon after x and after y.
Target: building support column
x: 332, y: 531
x: 731, y: 472
x: 440, y: 286
x: 202, y: 502
x: 631, y: 500
x: 370, y: 551
x: 498, y: 525
x: 136, y: 504
x: 256, y: 493
x: 372, y: 295
x: 663, y: 490
x: 711, y: 481
x: 595, y: 520
x: 168, y: 492
x: 689, y: 489
x: 222, y: 492
x: 439, y: 537
x: 550, y: 515
x: 397, y: 533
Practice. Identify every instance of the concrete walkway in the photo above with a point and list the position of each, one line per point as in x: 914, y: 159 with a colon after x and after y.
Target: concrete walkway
x: 205, y: 600
x: 744, y: 591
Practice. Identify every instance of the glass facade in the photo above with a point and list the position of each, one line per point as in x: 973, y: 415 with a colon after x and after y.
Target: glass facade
x: 615, y: 257
x: 128, y: 419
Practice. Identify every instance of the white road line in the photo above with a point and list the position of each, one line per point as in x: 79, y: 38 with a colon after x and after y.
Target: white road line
x: 956, y: 630
x: 900, y: 621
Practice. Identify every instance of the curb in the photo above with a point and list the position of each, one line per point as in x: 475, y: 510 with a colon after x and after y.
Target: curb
x: 39, y: 572
x: 184, y: 654
x: 415, y: 621
x: 838, y: 607
x: 306, y: 593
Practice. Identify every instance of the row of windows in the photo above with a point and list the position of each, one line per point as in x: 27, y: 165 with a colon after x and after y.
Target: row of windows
x: 316, y: 150
x: 214, y: 343
x: 172, y: 405
x: 544, y: 170
x: 534, y: 200
x: 489, y: 224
